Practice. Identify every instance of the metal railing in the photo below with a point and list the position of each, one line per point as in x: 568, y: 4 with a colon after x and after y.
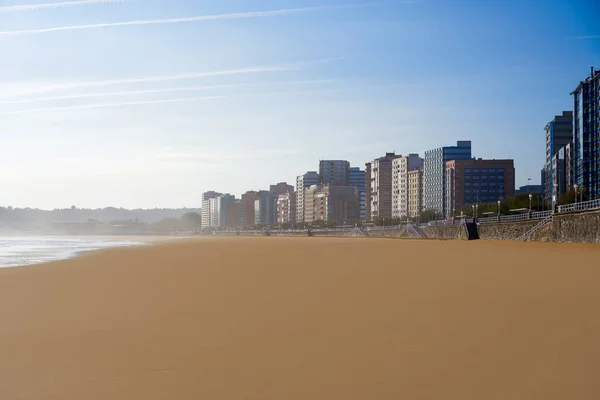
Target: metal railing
x: 529, y: 234
x: 582, y: 206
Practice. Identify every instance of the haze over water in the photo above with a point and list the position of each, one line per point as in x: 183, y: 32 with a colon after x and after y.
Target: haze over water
x: 21, y: 251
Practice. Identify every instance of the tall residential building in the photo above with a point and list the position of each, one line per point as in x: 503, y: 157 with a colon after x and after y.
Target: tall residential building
x: 558, y: 168
x: 247, y: 208
x: 415, y: 192
x: 357, y: 179
x: 206, y: 207
x: 309, y: 203
x: 568, y: 166
x: 434, y: 173
x: 380, y: 195
x: 233, y: 214
x: 586, y: 135
x: 265, y: 208
x: 302, y: 182
x: 368, y: 197
x: 281, y: 188
x: 286, y: 208
x: 559, y: 133
x: 337, y: 204
x: 219, y: 206
x: 334, y: 172
x: 401, y: 166
x: 478, y: 181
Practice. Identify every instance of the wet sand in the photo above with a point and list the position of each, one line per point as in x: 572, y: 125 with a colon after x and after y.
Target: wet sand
x: 305, y: 318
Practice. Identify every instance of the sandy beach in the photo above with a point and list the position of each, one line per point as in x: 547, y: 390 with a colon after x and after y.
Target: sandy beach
x: 305, y: 318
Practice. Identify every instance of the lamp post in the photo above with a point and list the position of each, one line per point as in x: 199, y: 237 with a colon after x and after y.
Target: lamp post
x: 528, y: 180
x: 575, y: 187
x: 530, y: 197
x: 473, y: 207
x: 499, y: 210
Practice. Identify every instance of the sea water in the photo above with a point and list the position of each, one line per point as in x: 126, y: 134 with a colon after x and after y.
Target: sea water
x: 21, y: 251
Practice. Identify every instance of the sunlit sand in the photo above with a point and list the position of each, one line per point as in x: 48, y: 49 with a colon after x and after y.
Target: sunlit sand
x: 305, y: 318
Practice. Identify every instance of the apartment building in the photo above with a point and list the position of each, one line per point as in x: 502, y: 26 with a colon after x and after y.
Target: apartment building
x: 559, y: 133
x: 206, y: 207
x: 478, y: 181
x: 434, y: 174
x: 415, y: 192
x: 586, y: 136
x: 379, y: 197
x: 286, y: 208
x: 302, y: 183
x: 334, y: 172
x: 401, y: 166
x: 358, y: 179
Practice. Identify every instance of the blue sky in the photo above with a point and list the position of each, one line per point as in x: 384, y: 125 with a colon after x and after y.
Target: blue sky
x: 153, y: 114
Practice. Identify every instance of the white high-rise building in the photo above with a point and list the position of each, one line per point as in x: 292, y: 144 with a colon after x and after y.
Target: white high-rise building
x: 207, y: 214
x: 302, y: 183
x: 400, y: 168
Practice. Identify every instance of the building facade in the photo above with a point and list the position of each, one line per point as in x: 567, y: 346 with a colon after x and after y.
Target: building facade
x: 233, y: 214
x: 401, y: 166
x: 434, y: 174
x: 559, y: 133
x: 336, y: 204
x: 302, y: 183
x: 286, y: 208
x: 334, y: 172
x: 368, y: 196
x: 218, y: 211
x: 310, y: 213
x: 478, y: 181
x: 206, y: 208
x: 380, y: 194
x: 247, y: 208
x: 358, y: 179
x: 586, y: 136
x: 281, y: 188
x: 265, y: 208
x: 415, y: 192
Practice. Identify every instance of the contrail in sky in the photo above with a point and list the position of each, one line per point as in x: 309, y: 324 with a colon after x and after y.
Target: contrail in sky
x: 213, y: 17
x: 165, y: 101
x: 46, y: 6
x: 166, y: 78
x: 153, y: 91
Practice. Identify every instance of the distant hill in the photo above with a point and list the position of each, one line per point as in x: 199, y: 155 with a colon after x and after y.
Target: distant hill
x: 40, y: 220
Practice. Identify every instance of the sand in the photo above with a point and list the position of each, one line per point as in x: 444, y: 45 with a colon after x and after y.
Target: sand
x: 305, y: 318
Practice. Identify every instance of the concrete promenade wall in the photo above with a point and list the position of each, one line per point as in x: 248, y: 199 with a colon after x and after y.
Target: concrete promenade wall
x: 582, y: 227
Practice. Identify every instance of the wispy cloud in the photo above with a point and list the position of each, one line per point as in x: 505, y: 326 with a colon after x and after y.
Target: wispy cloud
x: 584, y: 37
x: 163, y: 101
x: 214, y: 17
x: 45, y: 6
x: 166, y: 78
x: 154, y: 91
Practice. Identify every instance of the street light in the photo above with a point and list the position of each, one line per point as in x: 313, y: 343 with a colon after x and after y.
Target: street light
x: 528, y: 180
x: 530, y: 197
x: 499, y: 207
x: 575, y: 187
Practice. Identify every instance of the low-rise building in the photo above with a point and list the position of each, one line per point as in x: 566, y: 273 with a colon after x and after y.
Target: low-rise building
x: 478, y: 181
